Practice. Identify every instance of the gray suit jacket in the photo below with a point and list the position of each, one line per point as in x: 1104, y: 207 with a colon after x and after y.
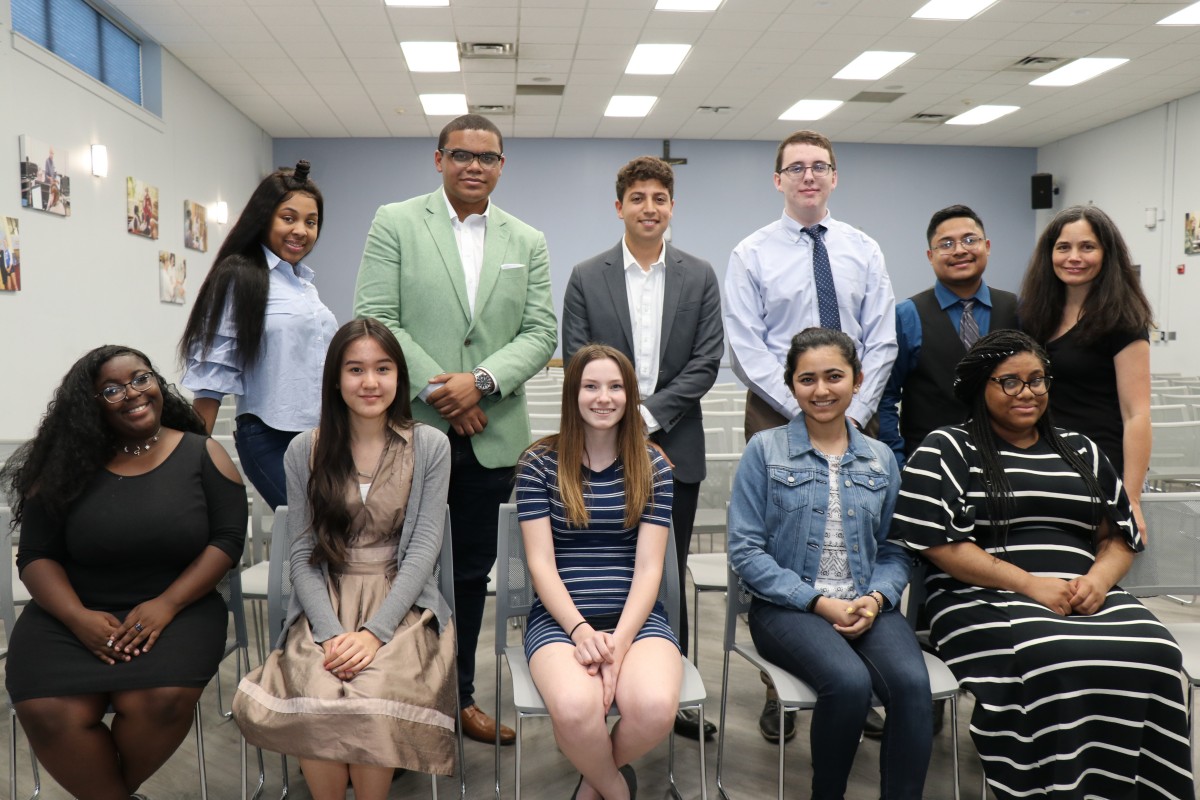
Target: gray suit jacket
x: 596, y: 309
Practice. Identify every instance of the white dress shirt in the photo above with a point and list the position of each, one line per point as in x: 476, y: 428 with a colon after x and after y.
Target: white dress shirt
x: 770, y: 296
x: 644, y: 289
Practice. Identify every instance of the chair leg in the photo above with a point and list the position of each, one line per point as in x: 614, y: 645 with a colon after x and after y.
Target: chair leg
x: 954, y: 743
x: 517, y: 796
x: 497, y: 718
x: 721, y: 733
x: 200, y: 752
x: 12, y: 761
x: 781, y: 743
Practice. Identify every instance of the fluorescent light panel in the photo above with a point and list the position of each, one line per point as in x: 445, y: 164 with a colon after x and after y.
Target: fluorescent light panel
x: 444, y: 105
x: 657, y: 59
x: 981, y: 115
x: 872, y: 65
x: 431, y: 56
x: 687, y: 5
x: 811, y: 109
x: 1184, y: 16
x: 1078, y: 71
x: 416, y: 3
x: 630, y: 105
x: 953, y: 9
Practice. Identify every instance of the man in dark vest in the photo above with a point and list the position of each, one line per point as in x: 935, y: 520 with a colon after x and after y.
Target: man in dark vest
x: 935, y: 327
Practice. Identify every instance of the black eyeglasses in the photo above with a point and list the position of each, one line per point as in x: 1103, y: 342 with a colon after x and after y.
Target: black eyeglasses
x: 116, y: 393
x: 819, y: 170
x: 969, y: 242
x: 465, y: 157
x: 1013, y: 386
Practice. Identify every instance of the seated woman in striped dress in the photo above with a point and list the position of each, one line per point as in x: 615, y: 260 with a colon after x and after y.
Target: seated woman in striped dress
x: 1028, y: 529
x: 595, y: 508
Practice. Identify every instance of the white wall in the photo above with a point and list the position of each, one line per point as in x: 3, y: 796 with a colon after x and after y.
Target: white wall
x: 1147, y: 161
x: 85, y: 281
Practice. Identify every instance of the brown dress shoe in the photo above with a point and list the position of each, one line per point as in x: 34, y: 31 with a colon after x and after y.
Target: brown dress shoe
x: 482, y: 728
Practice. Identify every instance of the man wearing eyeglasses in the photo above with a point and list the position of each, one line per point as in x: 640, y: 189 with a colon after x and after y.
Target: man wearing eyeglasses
x: 805, y: 270
x: 935, y: 328
x: 466, y: 289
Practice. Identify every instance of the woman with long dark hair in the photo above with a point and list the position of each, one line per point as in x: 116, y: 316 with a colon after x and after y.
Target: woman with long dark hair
x: 1082, y: 300
x: 258, y: 329
x: 1077, y: 686
x: 362, y: 679
x: 129, y: 517
x: 595, y: 508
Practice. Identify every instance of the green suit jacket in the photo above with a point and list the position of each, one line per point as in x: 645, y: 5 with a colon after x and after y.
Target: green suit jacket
x: 411, y: 279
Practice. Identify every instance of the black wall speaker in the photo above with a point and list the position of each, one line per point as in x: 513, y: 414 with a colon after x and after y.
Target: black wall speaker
x: 1041, y: 190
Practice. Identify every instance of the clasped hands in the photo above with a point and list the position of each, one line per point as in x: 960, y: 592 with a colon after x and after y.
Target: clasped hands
x: 457, y: 402
x: 1083, y: 595
x: 850, y: 618
x: 602, y: 654
x: 112, y: 640
x: 348, y: 654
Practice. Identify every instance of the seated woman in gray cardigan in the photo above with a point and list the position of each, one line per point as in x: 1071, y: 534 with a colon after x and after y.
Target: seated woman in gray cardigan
x: 362, y: 679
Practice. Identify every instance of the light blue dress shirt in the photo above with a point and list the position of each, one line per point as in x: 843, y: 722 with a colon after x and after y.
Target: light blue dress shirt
x: 770, y: 296
x: 283, y: 388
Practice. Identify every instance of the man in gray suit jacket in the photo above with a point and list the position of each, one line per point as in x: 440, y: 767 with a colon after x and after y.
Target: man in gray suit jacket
x: 660, y: 307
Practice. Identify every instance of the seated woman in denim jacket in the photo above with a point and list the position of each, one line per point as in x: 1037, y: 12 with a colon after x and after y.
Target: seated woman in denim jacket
x: 808, y: 524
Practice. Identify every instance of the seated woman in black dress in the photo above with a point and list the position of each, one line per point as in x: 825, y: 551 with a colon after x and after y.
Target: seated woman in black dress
x: 1028, y: 529
x: 130, y: 517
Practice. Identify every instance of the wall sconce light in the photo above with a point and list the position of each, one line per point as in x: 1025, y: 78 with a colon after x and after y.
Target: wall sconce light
x: 100, y: 161
x: 219, y: 211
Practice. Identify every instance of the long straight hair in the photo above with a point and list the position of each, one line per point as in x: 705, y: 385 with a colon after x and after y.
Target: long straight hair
x: 569, y: 441
x: 333, y: 462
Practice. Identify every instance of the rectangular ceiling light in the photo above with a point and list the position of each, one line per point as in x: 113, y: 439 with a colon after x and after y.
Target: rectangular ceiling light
x: 953, y: 9
x: 981, y: 115
x: 444, y: 105
x: 657, y: 59
x: 1078, y: 71
x: 630, y: 105
x: 1184, y: 16
x: 872, y: 65
x: 416, y: 3
x: 811, y: 109
x: 687, y: 5
x: 431, y: 56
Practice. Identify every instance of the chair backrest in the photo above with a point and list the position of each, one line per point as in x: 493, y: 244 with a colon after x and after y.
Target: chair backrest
x: 279, y: 575
x: 514, y: 587
x: 1175, y: 412
x: 737, y: 602
x: 8, y: 612
x: 1170, y: 564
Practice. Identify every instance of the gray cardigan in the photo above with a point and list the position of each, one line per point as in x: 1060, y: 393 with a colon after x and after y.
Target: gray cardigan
x: 416, y: 556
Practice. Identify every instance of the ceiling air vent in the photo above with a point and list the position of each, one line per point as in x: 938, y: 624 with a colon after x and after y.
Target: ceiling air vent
x: 928, y: 118
x: 494, y: 109
x: 1037, y: 64
x: 876, y: 97
x: 487, y: 50
x: 539, y: 90
x: 714, y: 109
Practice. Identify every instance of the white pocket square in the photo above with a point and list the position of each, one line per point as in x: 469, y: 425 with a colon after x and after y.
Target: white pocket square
x: 512, y: 266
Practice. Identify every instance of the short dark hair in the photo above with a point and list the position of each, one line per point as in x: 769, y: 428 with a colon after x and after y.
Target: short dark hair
x: 810, y: 338
x: 645, y: 168
x: 805, y: 137
x: 952, y: 212
x: 470, y: 122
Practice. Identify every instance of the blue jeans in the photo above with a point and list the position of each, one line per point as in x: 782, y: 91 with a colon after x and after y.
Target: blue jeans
x: 843, y: 673
x: 260, y: 448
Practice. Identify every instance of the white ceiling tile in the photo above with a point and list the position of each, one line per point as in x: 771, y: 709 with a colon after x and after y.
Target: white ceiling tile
x: 612, y: 37
x: 548, y: 35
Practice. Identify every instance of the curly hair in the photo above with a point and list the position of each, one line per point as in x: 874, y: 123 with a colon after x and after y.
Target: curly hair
x: 645, y: 168
x: 73, y: 441
x: 240, y: 268
x: 971, y: 378
x: 1115, y: 300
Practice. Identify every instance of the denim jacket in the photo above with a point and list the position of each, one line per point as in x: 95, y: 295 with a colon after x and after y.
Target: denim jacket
x: 777, y: 516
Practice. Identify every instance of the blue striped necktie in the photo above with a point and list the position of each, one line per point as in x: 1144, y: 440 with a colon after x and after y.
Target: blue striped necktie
x: 968, y: 328
x: 827, y: 304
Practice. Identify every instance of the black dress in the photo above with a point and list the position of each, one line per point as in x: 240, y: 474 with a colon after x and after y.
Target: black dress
x: 1065, y: 707
x: 124, y: 541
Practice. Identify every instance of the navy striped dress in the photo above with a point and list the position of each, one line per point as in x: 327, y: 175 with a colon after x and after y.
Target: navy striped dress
x: 1065, y: 707
x: 596, y: 562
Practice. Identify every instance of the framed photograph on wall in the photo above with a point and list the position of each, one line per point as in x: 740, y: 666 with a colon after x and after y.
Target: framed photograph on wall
x: 172, y: 273
x: 141, y: 208
x: 10, y: 256
x: 195, y: 226
x: 45, y: 185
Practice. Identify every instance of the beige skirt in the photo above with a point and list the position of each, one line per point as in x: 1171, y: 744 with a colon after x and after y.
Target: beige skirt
x: 398, y: 712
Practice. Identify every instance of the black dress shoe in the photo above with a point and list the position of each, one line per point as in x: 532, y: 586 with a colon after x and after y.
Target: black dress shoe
x: 768, y: 722
x: 873, y: 724
x: 687, y: 723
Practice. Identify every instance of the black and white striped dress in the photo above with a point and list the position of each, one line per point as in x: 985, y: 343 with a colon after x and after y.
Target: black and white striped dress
x: 1065, y: 707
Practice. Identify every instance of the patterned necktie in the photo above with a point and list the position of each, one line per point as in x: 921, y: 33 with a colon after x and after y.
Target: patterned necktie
x: 968, y: 328
x: 827, y: 305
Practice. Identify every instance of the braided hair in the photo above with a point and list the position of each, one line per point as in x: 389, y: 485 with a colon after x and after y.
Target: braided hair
x: 970, y: 386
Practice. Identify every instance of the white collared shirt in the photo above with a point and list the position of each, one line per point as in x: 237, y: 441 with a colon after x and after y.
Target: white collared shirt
x: 469, y: 235
x: 644, y: 289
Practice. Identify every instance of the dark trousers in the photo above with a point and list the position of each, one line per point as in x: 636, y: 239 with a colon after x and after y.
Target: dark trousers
x: 476, y: 493
x: 683, y: 518
x: 260, y: 448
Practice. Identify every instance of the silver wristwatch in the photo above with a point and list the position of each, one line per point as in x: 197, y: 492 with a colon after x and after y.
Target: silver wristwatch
x: 483, y: 381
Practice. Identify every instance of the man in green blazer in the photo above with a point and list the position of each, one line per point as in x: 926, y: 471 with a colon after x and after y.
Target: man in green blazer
x: 466, y: 289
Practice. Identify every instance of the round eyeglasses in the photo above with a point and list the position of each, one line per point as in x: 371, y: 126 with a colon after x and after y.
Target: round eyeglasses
x: 970, y: 242
x: 819, y: 170
x: 465, y: 157
x: 116, y: 393
x: 1013, y: 386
